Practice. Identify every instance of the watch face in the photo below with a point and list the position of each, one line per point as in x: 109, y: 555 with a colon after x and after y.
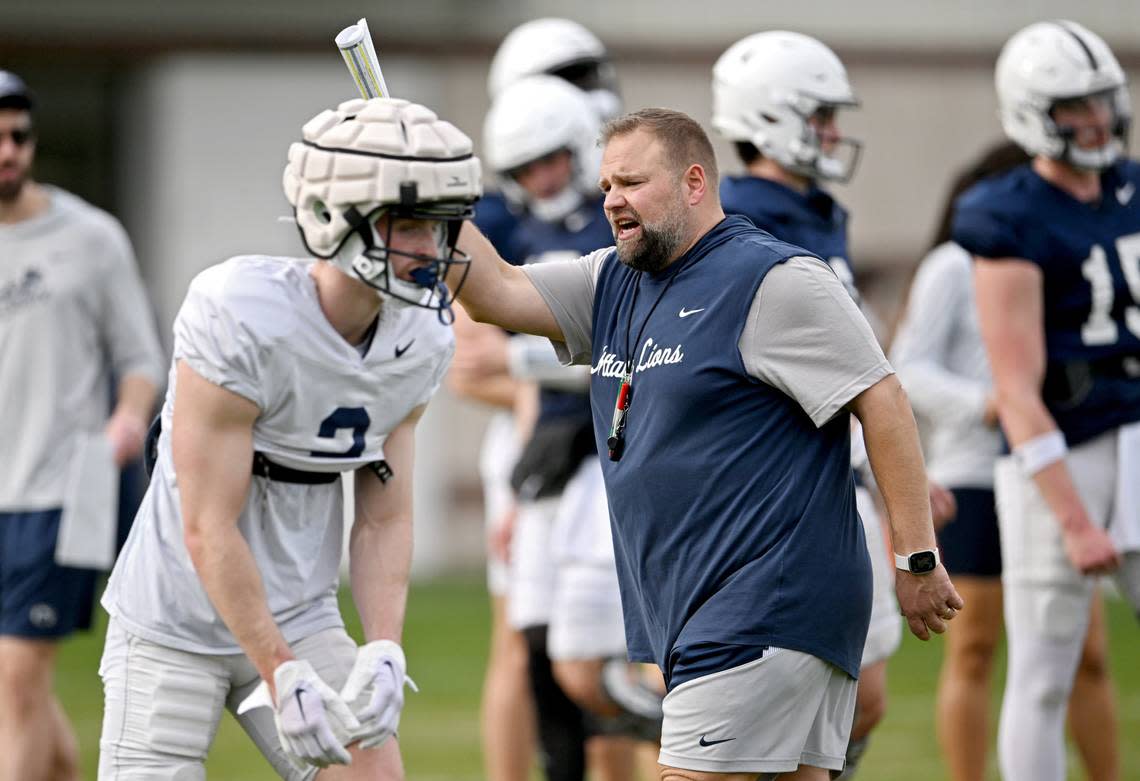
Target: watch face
x: 922, y: 562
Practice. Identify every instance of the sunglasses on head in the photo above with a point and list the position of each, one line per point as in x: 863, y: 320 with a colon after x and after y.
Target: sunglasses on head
x: 19, y: 136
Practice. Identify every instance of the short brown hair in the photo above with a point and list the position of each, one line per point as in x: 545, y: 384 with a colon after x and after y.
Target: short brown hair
x: 683, y: 138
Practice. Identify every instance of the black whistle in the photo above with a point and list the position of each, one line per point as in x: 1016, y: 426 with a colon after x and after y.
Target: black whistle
x: 615, y: 445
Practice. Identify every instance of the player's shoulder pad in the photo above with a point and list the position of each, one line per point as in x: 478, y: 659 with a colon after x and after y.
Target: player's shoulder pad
x: 996, y: 217
x: 257, y: 292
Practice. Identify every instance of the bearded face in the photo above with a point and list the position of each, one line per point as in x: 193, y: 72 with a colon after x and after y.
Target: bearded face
x: 648, y: 201
x: 650, y: 246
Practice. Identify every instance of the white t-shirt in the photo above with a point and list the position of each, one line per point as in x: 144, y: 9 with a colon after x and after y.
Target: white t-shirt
x: 942, y: 363
x: 72, y: 315
x: 254, y: 326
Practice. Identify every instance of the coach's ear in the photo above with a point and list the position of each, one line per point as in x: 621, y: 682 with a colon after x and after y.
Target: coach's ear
x: 695, y: 183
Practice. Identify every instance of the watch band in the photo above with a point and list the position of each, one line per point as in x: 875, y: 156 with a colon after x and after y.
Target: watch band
x: 903, y: 561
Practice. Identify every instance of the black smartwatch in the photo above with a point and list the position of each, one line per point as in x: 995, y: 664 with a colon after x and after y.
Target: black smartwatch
x: 921, y: 562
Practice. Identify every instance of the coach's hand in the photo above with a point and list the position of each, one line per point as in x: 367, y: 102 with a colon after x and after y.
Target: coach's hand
x: 375, y: 691
x: 928, y: 601
x: 313, y: 723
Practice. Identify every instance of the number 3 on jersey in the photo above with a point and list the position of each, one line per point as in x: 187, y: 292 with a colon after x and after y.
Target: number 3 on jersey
x: 1100, y: 328
x: 355, y: 418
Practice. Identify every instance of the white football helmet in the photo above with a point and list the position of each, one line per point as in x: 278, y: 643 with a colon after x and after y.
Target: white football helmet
x: 561, y: 48
x: 533, y: 118
x: 767, y: 86
x: 1051, y: 61
x: 366, y: 157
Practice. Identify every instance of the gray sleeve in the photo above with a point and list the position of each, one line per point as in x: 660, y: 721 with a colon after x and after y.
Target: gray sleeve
x: 567, y: 286
x: 128, y: 322
x: 806, y: 337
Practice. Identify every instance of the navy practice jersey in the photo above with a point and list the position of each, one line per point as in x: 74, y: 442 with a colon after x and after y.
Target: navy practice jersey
x: 1089, y: 255
x: 734, y: 516
x: 538, y: 241
x: 813, y: 219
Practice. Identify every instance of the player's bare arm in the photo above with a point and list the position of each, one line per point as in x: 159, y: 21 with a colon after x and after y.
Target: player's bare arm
x: 927, y: 600
x: 212, y: 441
x: 1010, y: 311
x: 380, y: 546
x: 497, y: 292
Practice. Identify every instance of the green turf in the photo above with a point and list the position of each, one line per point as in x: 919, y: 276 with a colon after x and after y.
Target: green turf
x: 445, y: 640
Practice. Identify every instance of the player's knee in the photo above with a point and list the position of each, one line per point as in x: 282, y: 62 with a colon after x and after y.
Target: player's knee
x: 973, y: 661
x: 23, y: 693
x: 1044, y: 692
x: 581, y: 681
x: 871, y: 711
x: 1093, y: 666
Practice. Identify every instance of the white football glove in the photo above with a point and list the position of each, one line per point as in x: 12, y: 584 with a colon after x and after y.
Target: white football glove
x: 313, y: 723
x: 375, y: 691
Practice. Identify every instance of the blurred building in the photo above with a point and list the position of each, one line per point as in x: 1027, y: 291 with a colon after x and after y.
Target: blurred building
x: 176, y: 117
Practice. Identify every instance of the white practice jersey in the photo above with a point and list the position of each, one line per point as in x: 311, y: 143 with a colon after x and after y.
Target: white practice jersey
x: 254, y: 326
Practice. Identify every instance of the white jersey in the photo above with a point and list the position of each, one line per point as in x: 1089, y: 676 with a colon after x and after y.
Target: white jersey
x: 941, y: 361
x: 254, y: 325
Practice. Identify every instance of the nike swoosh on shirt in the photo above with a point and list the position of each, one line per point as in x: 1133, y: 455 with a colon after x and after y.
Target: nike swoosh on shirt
x: 686, y: 312
x: 704, y: 742
x: 1124, y: 194
x: 401, y: 350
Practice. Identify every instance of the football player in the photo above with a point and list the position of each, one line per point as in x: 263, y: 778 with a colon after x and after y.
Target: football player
x: 288, y: 372
x: 1057, y: 279
x: 942, y: 362
x: 777, y: 96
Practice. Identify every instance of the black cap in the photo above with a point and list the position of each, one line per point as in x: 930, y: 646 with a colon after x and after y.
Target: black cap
x: 14, y: 93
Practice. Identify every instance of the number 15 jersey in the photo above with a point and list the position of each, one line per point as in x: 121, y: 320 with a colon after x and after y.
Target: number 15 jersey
x: 1089, y: 256
x: 254, y: 326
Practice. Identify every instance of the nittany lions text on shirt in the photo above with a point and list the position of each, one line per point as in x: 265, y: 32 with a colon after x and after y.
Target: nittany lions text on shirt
x: 813, y: 220
x: 734, y: 516
x: 1089, y: 255
x: 254, y: 326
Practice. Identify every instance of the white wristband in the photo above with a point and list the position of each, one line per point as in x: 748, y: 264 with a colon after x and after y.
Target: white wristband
x: 1035, y: 454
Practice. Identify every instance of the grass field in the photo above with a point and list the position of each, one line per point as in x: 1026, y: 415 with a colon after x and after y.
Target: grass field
x: 445, y: 642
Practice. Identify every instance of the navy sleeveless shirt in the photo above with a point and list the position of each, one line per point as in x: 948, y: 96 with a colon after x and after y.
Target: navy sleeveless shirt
x: 734, y: 516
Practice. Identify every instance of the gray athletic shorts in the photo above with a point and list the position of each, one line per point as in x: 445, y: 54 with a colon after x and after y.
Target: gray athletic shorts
x: 772, y: 715
x: 162, y: 706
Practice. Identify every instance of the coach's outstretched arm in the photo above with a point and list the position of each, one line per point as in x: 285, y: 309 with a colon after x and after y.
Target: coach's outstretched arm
x: 929, y: 600
x: 499, y: 293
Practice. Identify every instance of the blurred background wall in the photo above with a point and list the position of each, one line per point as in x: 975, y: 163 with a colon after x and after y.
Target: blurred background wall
x: 176, y: 117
